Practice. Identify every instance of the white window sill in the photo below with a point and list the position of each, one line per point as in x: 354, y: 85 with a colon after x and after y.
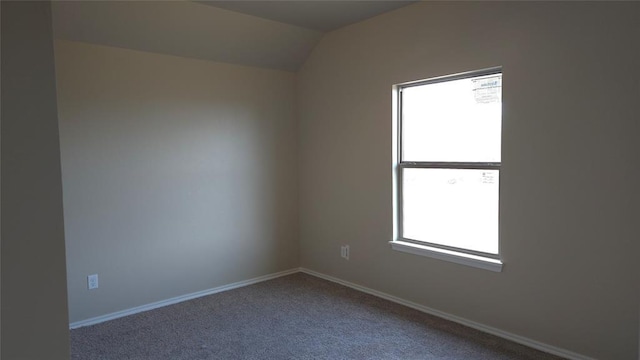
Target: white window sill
x: 448, y: 255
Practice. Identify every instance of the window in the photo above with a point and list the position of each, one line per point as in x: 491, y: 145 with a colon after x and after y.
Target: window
x: 447, y: 143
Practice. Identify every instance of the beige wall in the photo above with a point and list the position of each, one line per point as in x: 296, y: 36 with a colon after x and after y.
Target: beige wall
x: 569, y: 179
x: 179, y: 175
x: 34, y: 292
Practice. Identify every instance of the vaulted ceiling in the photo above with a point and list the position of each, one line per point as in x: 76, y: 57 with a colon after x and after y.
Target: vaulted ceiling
x: 320, y: 15
x: 271, y: 34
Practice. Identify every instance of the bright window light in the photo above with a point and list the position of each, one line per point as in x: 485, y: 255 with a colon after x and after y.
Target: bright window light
x: 453, y: 207
x: 446, y: 121
x: 448, y: 162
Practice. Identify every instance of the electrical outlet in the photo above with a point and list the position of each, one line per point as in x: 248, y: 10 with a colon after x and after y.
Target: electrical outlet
x: 344, y: 251
x: 92, y: 281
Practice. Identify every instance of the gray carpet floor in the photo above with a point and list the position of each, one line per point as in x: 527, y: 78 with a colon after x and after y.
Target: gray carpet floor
x: 293, y: 317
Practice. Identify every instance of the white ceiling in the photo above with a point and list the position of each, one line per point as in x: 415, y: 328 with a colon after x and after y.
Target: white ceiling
x: 318, y: 15
x: 277, y: 35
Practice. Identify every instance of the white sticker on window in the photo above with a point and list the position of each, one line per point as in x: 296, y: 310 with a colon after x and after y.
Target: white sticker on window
x: 487, y: 90
x: 488, y: 178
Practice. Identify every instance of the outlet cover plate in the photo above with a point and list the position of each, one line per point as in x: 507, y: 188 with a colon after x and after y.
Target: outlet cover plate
x: 92, y: 281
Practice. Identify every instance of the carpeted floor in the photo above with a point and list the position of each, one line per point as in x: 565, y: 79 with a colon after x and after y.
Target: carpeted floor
x: 293, y: 317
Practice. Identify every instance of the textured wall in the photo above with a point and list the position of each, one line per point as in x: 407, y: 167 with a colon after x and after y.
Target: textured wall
x: 34, y: 292
x: 569, y: 172
x: 179, y: 175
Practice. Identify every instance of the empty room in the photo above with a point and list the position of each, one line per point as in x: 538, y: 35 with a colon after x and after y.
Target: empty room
x: 320, y: 180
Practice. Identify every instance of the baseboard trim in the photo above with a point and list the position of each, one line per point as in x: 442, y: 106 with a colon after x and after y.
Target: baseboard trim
x: 178, y: 299
x: 472, y: 324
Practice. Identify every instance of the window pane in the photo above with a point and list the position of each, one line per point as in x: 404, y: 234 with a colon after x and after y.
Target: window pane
x: 458, y: 120
x: 453, y: 207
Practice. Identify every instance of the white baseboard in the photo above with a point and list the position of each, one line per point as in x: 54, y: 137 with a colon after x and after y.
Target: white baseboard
x: 472, y: 324
x: 177, y: 299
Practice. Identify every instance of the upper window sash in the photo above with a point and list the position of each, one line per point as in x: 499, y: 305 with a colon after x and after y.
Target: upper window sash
x: 436, y: 124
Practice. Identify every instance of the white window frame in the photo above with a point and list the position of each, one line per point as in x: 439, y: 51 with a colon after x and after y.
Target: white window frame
x: 468, y: 257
